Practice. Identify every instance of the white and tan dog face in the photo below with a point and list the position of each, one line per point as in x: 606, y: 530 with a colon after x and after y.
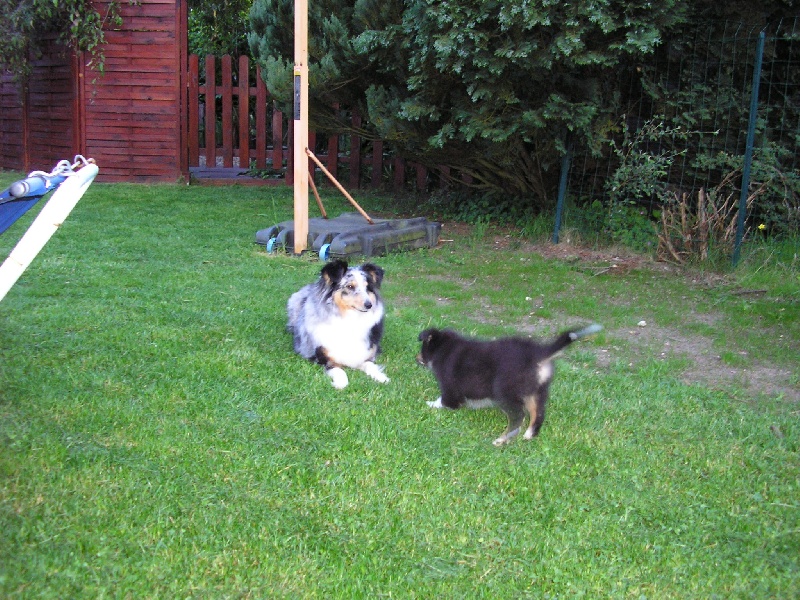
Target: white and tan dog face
x: 354, y: 288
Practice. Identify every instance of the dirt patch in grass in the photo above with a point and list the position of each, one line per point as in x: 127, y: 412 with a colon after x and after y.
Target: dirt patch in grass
x: 616, y: 261
x: 706, y: 365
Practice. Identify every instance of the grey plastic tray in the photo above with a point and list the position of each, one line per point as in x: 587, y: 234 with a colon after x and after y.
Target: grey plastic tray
x: 349, y: 234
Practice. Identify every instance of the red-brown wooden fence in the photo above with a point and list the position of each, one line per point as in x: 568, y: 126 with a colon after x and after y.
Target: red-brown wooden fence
x: 130, y: 119
x: 241, y: 132
x: 38, y: 121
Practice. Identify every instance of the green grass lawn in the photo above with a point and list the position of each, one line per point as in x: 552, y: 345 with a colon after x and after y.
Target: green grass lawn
x: 159, y: 438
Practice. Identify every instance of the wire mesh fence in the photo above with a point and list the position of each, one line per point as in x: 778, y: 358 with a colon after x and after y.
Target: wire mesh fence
x: 679, y: 154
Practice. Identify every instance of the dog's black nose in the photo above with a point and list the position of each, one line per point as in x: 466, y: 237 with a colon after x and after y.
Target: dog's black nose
x: 367, y: 304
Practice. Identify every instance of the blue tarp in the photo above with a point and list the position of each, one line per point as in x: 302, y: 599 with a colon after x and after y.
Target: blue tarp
x: 22, y: 195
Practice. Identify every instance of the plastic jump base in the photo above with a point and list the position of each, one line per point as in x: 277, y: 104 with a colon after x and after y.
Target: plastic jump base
x: 349, y: 234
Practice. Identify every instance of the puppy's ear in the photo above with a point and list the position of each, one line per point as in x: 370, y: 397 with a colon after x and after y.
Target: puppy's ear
x: 427, y: 335
x: 374, y: 274
x: 333, y: 272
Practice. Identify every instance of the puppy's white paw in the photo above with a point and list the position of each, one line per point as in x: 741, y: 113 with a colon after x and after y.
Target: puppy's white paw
x: 528, y: 434
x: 505, y: 438
x: 374, y: 371
x: 338, y: 378
x: 436, y: 403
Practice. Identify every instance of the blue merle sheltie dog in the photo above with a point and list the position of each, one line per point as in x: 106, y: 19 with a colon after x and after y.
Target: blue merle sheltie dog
x: 338, y: 321
x: 513, y: 373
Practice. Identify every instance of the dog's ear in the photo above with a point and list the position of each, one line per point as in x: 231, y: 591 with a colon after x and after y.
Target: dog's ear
x: 427, y: 335
x: 374, y: 273
x: 333, y: 272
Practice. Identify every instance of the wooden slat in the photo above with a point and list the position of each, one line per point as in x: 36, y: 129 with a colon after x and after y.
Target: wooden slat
x: 194, y: 110
x: 399, y: 174
x: 355, y: 153
x: 422, y: 178
x: 244, y: 112
x: 332, y: 160
x: 377, y: 164
x: 211, y: 112
x: 227, y: 112
x: 261, y: 122
x: 277, y: 141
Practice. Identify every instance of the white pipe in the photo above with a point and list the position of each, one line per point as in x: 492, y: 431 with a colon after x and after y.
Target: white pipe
x: 50, y: 218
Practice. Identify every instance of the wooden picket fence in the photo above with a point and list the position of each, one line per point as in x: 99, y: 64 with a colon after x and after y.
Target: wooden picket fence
x: 236, y: 131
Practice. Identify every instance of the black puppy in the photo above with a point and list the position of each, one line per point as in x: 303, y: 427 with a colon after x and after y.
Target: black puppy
x: 513, y: 374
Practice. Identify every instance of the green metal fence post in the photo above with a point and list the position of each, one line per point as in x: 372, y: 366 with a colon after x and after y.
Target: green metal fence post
x: 562, y: 192
x: 748, y: 152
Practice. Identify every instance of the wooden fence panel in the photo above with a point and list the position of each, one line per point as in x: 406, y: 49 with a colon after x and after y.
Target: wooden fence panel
x: 129, y: 118
x: 132, y: 115
x: 234, y: 127
x: 235, y: 124
x: 38, y: 122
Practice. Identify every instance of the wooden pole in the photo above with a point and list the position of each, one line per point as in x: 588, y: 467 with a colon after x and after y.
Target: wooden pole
x: 316, y: 195
x: 340, y: 187
x: 300, y: 125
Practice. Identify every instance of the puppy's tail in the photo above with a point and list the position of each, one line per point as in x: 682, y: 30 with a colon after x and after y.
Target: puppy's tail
x: 566, y: 338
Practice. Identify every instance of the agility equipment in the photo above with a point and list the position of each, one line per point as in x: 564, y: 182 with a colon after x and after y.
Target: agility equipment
x: 347, y: 234
x: 68, y: 181
x: 300, y: 131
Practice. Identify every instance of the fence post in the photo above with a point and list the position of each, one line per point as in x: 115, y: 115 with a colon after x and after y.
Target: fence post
x: 748, y: 152
x: 562, y: 191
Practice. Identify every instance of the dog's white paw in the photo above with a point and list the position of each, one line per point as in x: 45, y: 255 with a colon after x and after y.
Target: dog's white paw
x: 528, y: 435
x: 338, y: 378
x: 374, y: 371
x: 436, y: 403
x: 506, y: 437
